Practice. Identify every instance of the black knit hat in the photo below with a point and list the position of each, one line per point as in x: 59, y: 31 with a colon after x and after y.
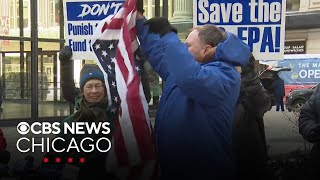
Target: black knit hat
x: 88, y: 72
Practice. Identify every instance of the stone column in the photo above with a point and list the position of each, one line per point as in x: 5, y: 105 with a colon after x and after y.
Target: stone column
x: 182, y: 11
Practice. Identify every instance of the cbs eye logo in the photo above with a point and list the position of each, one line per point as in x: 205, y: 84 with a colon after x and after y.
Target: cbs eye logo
x: 23, y: 128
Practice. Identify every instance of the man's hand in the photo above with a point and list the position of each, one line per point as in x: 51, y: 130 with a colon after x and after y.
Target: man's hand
x: 65, y: 54
x: 160, y: 25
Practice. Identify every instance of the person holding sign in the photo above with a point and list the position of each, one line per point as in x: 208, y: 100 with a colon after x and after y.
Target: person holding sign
x: 193, y: 124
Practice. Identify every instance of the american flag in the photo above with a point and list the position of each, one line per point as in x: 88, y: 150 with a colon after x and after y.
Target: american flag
x: 133, y: 154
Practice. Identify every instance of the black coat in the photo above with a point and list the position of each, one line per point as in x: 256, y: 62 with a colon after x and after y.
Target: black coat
x: 309, y: 119
x: 278, y: 87
x: 309, y: 128
x: 249, y: 142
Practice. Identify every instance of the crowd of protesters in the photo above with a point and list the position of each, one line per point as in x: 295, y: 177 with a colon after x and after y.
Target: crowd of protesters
x: 209, y: 121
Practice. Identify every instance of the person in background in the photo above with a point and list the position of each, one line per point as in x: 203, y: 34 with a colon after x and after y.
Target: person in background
x: 309, y: 128
x: 193, y: 124
x: 279, y: 92
x: 155, y: 87
x: 249, y: 141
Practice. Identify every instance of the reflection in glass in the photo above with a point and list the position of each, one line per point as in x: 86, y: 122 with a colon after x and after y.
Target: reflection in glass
x: 293, y: 5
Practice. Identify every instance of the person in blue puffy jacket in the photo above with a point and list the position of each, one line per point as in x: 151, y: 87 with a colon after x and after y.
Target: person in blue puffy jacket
x: 193, y: 124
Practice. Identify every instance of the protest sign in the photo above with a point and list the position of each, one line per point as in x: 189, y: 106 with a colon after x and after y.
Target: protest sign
x: 81, y: 18
x: 304, y: 70
x: 259, y: 23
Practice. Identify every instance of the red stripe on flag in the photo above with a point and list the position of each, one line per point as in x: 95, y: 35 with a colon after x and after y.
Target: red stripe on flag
x: 122, y: 66
x: 139, y: 123
x: 115, y: 24
x: 127, y: 42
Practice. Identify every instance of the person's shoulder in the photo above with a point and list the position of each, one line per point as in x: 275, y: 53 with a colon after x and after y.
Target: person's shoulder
x: 223, y: 66
x: 68, y: 119
x: 317, y: 89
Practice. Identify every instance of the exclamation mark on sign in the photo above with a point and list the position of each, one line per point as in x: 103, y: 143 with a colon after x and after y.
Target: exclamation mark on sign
x: 277, y: 42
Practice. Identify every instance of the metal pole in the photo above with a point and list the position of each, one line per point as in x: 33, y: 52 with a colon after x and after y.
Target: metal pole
x: 34, y: 60
x: 22, y: 74
x: 157, y: 8
x: 165, y: 7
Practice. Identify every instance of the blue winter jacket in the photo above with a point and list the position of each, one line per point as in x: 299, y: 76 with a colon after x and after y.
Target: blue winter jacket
x: 193, y: 123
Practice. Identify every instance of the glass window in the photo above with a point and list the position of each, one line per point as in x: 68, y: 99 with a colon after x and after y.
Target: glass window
x: 14, y: 17
x: 26, y: 13
x: 51, y: 101
x: 293, y: 5
x: 15, y: 82
x: 51, y: 13
x: 48, y: 19
x: 10, y: 11
x: 56, y: 13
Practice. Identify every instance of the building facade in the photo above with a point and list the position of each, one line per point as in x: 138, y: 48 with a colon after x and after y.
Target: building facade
x: 32, y: 33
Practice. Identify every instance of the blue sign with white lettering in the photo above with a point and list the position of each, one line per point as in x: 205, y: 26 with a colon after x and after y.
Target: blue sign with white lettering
x: 259, y: 23
x: 303, y: 71
x: 91, y: 11
x: 81, y: 19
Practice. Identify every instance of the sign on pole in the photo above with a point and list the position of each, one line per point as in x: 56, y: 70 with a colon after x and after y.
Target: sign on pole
x: 259, y: 23
x: 81, y: 18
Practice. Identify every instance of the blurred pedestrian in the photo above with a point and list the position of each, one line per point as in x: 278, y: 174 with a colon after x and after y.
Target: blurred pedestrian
x: 279, y: 92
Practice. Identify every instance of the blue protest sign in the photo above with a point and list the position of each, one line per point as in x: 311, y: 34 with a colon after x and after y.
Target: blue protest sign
x: 303, y: 71
x: 259, y: 23
x: 81, y: 19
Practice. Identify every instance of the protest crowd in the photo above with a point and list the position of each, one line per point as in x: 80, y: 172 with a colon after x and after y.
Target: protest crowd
x: 209, y: 119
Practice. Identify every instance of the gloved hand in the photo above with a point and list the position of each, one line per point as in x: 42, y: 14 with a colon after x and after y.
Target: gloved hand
x: 65, y: 54
x: 160, y: 25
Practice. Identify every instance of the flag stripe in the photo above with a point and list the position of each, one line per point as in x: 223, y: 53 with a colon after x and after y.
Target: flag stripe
x: 139, y: 122
x: 114, y: 24
x: 122, y: 66
x: 136, y: 110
